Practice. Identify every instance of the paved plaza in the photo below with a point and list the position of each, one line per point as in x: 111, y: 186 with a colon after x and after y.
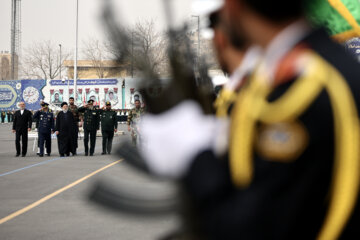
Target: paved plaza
x: 47, y: 198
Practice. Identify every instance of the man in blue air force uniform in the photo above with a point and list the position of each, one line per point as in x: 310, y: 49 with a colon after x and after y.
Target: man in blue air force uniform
x: 46, y: 128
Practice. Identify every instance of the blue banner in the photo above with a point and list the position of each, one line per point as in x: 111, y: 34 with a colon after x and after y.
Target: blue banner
x: 10, y: 94
x: 84, y: 82
x: 32, y: 93
x: 28, y: 91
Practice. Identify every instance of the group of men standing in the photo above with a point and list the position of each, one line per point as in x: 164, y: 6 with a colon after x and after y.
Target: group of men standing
x: 66, y: 127
x: 9, y: 114
x: 92, y: 117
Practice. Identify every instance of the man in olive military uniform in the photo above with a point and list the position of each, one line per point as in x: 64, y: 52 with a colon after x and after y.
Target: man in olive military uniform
x: 3, y: 115
x: 108, y: 127
x: 74, y: 110
x: 9, y: 116
x: 46, y: 128
x: 133, y: 119
x: 91, y: 125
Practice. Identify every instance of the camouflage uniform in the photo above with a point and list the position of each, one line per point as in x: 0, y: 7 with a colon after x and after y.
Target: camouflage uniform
x: 132, y: 120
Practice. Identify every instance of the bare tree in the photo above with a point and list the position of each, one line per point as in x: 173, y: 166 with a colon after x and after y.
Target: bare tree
x: 42, y: 60
x: 148, y: 45
x: 96, y: 52
x: 5, y: 68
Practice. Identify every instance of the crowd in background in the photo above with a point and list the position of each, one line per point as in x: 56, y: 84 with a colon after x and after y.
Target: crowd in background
x: 8, y: 116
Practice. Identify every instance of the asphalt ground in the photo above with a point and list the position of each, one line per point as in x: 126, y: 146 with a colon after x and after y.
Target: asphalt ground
x: 47, y: 198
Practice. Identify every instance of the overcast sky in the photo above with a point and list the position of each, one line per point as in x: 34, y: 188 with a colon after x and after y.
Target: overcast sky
x: 55, y: 19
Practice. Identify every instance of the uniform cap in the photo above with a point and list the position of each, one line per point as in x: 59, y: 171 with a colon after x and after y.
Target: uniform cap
x: 91, y: 101
x: 44, y: 104
x: 108, y: 103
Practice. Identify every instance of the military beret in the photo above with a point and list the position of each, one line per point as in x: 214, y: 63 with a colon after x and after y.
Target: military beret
x: 44, y: 104
x: 63, y: 103
x: 91, y: 101
x: 108, y: 103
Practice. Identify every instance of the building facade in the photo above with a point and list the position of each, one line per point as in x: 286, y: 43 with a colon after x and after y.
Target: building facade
x: 5, y: 66
x: 89, y: 69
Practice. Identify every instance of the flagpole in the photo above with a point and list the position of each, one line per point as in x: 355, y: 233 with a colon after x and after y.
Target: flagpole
x: 76, y: 50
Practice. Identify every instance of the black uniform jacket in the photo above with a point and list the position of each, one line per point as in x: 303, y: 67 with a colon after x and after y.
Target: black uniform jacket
x: 91, y: 118
x: 285, y: 199
x: 22, y: 122
x: 65, y: 125
x: 108, y: 120
x: 45, y: 121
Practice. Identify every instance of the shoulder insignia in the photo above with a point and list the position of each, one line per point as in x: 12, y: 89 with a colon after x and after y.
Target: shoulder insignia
x: 281, y: 142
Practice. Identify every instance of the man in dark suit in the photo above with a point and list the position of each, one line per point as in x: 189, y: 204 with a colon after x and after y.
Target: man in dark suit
x: 21, y: 125
x: 65, y: 130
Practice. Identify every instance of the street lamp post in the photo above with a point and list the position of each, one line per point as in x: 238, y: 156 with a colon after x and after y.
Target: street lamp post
x: 132, y: 54
x: 68, y: 87
x: 76, y: 50
x: 68, y: 81
x: 198, y: 38
x: 60, y: 60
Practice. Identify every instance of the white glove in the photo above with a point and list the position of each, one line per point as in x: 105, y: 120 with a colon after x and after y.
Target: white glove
x: 174, y: 138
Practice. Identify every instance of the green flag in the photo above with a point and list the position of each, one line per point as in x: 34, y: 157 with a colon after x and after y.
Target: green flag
x: 340, y: 17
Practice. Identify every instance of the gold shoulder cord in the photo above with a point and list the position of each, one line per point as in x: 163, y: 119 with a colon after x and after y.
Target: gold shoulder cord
x: 252, y: 107
x: 223, y: 102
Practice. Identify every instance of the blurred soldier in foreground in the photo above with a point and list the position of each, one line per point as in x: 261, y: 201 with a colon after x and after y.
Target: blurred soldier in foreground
x: 91, y: 125
x: 293, y: 167
x: 236, y: 58
x: 21, y: 126
x: 65, y: 130
x: 74, y: 110
x: 133, y: 120
x: 46, y: 128
x: 108, y: 127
